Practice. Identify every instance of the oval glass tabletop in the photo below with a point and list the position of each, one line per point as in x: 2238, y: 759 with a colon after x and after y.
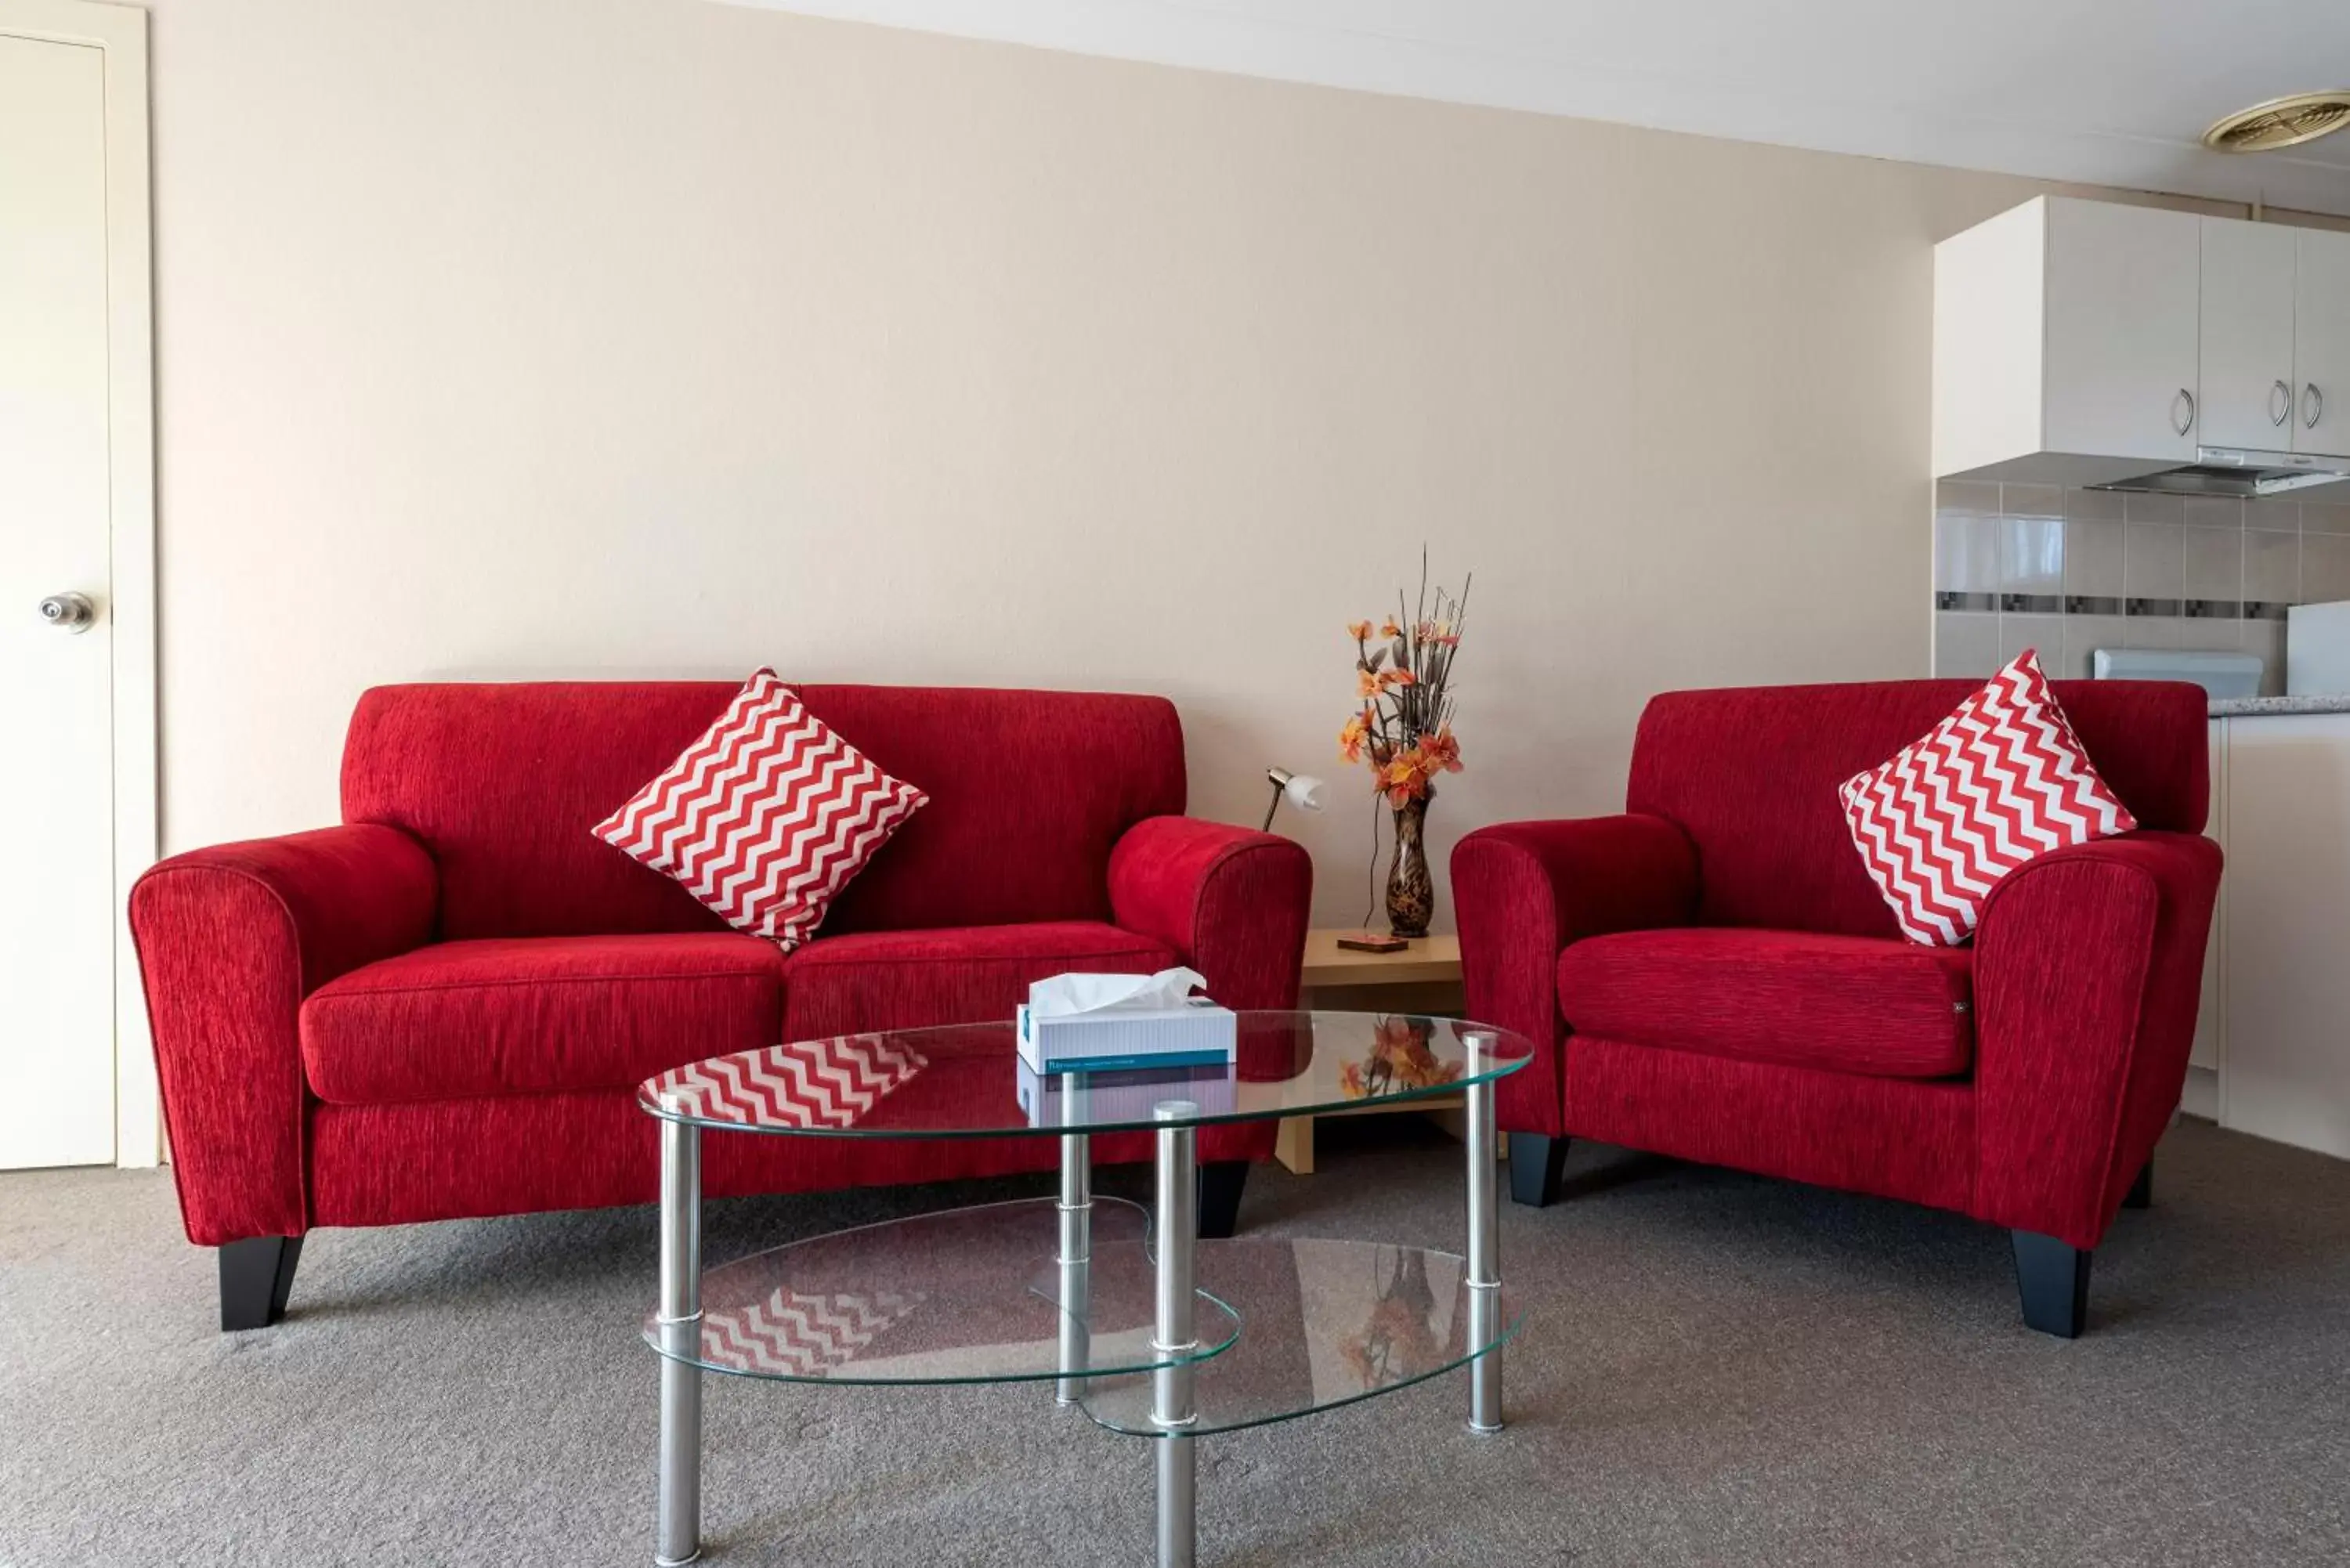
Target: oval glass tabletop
x: 967, y: 1080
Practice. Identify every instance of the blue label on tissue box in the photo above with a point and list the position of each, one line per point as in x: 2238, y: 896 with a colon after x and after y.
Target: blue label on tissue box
x: 1200, y: 1033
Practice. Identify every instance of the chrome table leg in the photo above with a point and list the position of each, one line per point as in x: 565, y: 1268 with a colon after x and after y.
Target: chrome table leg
x: 1176, y: 1224
x: 1076, y: 1258
x: 1484, y: 1243
x: 678, y: 1525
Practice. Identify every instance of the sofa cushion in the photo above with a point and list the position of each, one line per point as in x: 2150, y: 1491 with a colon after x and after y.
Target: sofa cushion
x: 1999, y: 782
x: 1875, y: 1006
x: 501, y: 781
x: 766, y: 816
x: 1749, y: 774
x: 523, y: 1016
x: 959, y: 974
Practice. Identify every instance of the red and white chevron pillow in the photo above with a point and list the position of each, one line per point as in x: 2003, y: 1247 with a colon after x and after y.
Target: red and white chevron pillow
x: 765, y: 818
x: 2001, y: 780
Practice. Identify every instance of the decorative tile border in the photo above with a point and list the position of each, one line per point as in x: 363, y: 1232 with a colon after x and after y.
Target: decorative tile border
x: 2100, y: 604
x: 1995, y: 555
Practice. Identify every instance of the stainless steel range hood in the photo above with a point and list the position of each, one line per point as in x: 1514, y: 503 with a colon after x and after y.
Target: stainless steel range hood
x: 2231, y: 471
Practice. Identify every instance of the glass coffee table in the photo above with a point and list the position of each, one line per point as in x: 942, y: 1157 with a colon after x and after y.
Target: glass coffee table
x: 1150, y: 1331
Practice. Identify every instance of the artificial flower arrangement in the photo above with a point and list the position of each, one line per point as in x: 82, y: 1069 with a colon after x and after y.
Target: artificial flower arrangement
x: 1403, y: 726
x: 1405, y: 722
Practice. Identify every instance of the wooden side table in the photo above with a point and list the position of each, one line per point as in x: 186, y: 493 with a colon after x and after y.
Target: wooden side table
x: 1423, y: 978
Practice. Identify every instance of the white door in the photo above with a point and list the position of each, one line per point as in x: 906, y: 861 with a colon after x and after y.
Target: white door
x: 2121, y: 330
x: 2322, y: 344
x: 2246, y: 387
x: 56, y: 917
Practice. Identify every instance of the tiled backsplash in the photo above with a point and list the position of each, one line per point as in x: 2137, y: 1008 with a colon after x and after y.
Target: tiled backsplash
x: 2071, y: 571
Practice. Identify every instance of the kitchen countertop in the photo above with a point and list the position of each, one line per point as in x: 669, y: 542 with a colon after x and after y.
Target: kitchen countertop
x: 2259, y: 707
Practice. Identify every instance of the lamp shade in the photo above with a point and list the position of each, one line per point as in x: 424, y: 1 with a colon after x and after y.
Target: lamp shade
x: 1301, y: 790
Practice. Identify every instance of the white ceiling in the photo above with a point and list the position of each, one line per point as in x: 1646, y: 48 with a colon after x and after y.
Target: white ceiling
x: 2111, y: 92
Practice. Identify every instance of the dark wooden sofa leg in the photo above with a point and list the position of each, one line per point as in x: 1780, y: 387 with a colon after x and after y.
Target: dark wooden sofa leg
x: 2142, y: 1192
x: 1537, y: 1164
x: 1221, y: 1182
x: 257, y: 1276
x: 2054, y: 1280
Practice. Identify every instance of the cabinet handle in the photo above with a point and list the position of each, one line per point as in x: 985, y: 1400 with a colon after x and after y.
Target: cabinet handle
x: 2280, y: 411
x: 2313, y: 406
x: 2182, y: 411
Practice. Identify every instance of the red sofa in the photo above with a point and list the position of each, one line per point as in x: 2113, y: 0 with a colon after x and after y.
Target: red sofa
x: 442, y: 1007
x: 1712, y: 975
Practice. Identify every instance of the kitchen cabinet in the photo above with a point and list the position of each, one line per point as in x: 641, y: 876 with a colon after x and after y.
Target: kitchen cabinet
x: 2275, y: 1026
x: 2245, y: 382
x: 2122, y: 329
x: 2275, y: 334
x: 2202, y: 1095
x: 2321, y: 342
x: 2066, y: 339
x: 2085, y: 343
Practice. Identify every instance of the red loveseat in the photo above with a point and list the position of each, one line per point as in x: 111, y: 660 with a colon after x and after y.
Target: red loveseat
x: 1713, y: 975
x: 442, y: 1007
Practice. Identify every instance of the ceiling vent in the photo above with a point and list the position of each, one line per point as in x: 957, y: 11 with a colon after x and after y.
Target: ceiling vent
x: 2281, y: 122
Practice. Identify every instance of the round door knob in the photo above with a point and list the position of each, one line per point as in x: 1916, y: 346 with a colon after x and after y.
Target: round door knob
x: 72, y: 611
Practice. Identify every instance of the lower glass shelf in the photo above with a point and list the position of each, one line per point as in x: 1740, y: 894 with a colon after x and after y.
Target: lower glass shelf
x: 970, y: 1295
x: 1324, y: 1323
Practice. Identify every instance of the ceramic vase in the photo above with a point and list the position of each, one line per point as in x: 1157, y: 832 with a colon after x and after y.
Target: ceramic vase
x: 1411, y: 891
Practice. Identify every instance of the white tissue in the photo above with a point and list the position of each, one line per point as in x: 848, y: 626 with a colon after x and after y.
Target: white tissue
x: 1076, y: 995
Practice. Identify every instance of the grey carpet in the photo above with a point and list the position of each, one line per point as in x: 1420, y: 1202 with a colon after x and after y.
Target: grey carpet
x: 1721, y: 1370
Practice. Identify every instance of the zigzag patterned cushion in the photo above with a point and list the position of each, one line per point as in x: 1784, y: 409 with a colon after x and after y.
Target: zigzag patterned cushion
x: 765, y: 818
x: 2001, y: 782
x: 791, y: 1333
x: 806, y: 1084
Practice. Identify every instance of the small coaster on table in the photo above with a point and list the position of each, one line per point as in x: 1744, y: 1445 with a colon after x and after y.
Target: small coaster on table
x: 1372, y: 942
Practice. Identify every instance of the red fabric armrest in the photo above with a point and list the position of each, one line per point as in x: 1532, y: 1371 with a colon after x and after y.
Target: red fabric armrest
x: 1523, y: 891
x: 230, y: 941
x: 2088, y: 967
x: 1233, y: 904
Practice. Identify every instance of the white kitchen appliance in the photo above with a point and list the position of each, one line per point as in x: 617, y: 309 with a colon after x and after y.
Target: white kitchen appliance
x: 2220, y: 674
x: 2317, y: 649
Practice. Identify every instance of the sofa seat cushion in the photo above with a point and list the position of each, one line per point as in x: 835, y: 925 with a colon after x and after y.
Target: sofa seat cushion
x: 955, y: 974
x: 525, y: 1016
x: 1873, y: 1006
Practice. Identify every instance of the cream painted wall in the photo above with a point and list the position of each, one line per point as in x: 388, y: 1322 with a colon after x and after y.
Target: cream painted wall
x: 647, y: 337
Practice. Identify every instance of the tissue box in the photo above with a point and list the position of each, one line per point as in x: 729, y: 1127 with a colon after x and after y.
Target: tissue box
x: 1197, y: 1034
x: 1062, y: 1099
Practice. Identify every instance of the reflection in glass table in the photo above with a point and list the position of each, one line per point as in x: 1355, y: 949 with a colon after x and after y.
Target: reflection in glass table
x: 1150, y: 1331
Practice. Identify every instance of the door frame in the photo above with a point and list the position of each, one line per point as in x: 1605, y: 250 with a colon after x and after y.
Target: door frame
x: 119, y: 33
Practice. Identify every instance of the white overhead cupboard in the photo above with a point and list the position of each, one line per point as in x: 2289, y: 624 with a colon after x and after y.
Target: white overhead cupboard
x: 2085, y: 342
x: 2275, y: 337
x: 2321, y: 340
